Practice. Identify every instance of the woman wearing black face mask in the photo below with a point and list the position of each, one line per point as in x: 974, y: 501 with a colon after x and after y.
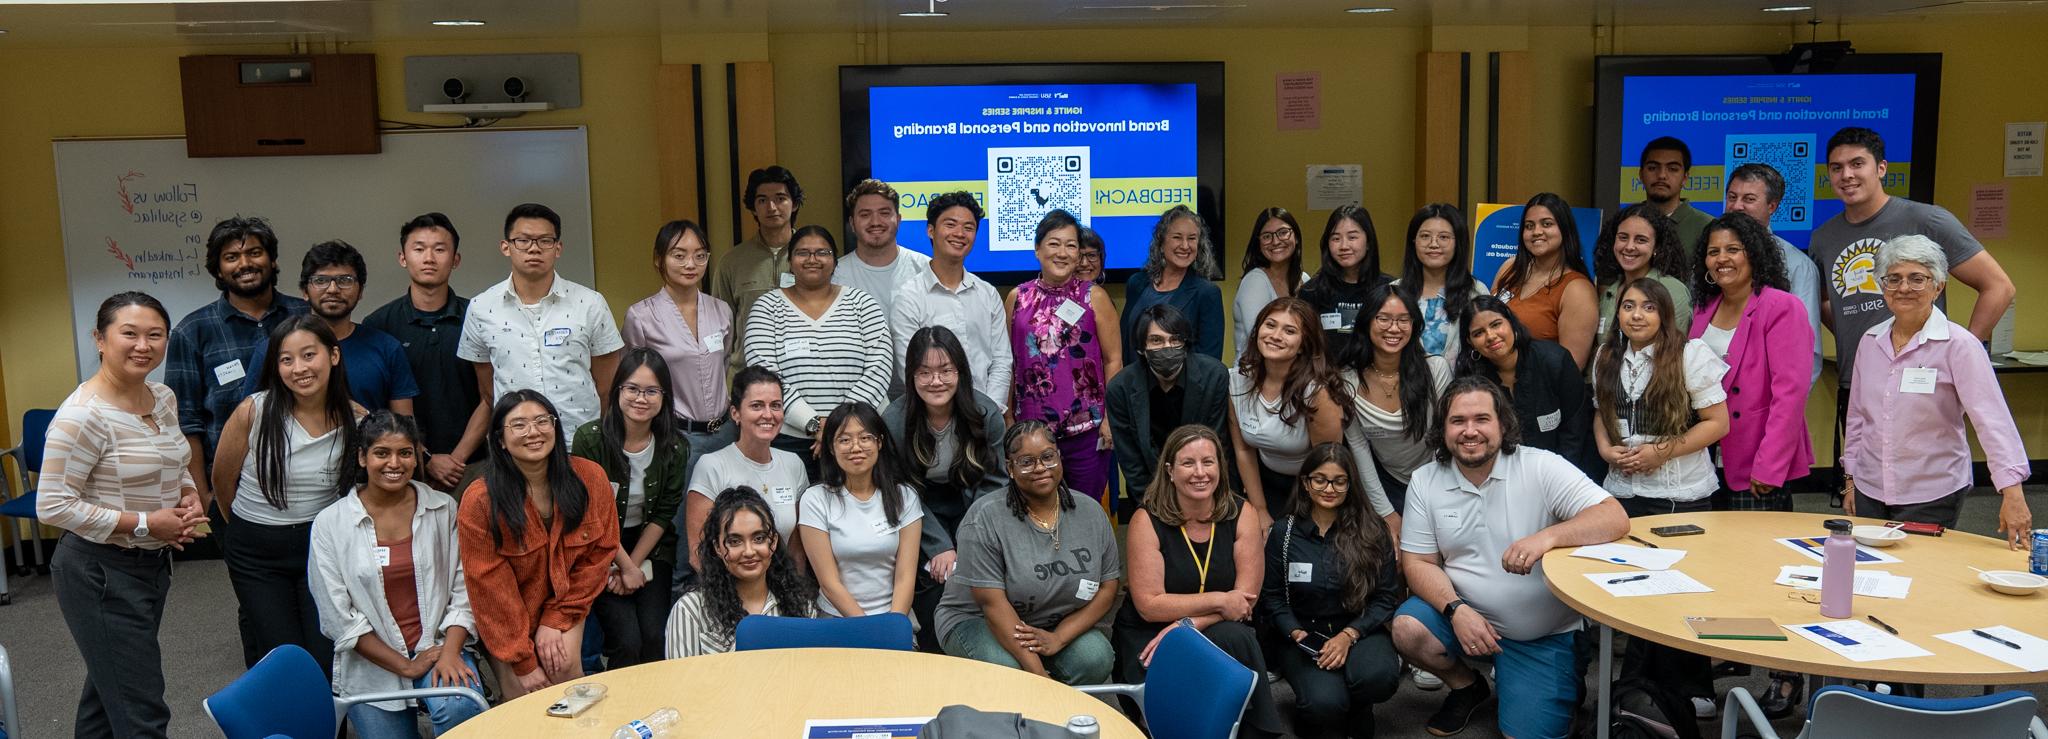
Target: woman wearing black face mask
x: 1167, y: 388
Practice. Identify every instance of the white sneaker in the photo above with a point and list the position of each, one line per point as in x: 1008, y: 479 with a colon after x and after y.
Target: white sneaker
x: 1424, y: 680
x: 1705, y: 709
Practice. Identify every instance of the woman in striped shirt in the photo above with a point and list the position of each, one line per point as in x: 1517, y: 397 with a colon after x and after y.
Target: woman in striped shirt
x: 823, y: 339
x: 115, y: 476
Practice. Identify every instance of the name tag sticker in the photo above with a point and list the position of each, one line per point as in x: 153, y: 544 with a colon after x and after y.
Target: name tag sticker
x: 231, y: 371
x: 782, y: 495
x: 796, y: 348
x: 1087, y: 589
x: 1300, y: 571
x: 1917, y: 380
x: 715, y: 338
x: 882, y: 527
x: 382, y: 555
x: 1333, y: 321
x: 1548, y: 421
x: 1070, y: 312
x: 557, y: 336
x: 1626, y: 430
x: 785, y: 280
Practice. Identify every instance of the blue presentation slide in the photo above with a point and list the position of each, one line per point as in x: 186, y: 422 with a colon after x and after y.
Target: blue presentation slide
x: 1113, y: 155
x: 1780, y: 120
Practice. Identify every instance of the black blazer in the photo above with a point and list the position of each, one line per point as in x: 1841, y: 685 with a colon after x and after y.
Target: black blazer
x: 1129, y: 401
x: 1553, y: 405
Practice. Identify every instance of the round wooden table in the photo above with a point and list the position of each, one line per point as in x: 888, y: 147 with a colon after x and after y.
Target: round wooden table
x: 770, y: 693
x: 1739, y: 558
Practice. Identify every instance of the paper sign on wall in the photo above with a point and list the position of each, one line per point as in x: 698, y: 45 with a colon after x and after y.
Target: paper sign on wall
x: 1987, y: 211
x: 1334, y: 185
x: 1298, y: 100
x: 2022, y: 149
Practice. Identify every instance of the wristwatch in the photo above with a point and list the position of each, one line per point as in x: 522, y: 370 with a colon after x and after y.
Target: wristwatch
x: 141, y: 526
x: 811, y: 427
x: 1452, y: 607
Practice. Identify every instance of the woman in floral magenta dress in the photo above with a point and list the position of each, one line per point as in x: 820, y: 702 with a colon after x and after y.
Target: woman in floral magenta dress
x: 1063, y: 333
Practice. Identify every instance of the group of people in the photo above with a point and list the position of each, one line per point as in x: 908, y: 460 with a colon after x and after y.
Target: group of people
x: 1369, y: 483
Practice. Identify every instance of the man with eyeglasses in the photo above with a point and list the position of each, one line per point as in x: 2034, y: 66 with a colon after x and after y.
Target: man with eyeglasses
x: 427, y: 321
x: 1170, y: 388
x: 332, y: 277
x: 760, y: 263
x: 1755, y: 189
x: 537, y: 330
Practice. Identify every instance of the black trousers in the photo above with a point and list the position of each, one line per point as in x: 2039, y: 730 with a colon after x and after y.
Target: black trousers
x: 112, y: 599
x: 267, y: 567
x: 635, y: 624
x: 1684, y: 673
x: 1279, y: 490
x: 1334, y: 703
x: 1943, y: 510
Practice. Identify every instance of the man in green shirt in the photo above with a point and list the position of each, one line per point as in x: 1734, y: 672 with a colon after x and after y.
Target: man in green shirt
x: 761, y: 263
x: 1663, y: 168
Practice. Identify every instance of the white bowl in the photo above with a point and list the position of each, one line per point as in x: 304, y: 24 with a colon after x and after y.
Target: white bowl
x: 1877, y: 536
x: 2013, y: 582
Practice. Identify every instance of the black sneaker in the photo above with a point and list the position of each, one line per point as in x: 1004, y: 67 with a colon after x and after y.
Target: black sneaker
x: 1456, y: 711
x: 1782, y: 697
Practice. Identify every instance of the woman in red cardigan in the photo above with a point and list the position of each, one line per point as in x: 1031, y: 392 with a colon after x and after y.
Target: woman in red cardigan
x: 1744, y: 313
x: 537, y: 536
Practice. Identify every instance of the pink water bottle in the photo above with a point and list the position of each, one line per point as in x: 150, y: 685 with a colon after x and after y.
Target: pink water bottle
x: 1837, y: 569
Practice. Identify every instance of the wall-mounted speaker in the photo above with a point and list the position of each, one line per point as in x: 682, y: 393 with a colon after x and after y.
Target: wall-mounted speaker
x: 240, y: 106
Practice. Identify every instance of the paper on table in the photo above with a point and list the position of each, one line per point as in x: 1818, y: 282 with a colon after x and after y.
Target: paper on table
x: 1660, y: 582
x: 1870, y: 583
x: 864, y: 728
x: 1644, y: 557
x: 1811, y: 547
x: 2032, y: 655
x: 1858, y: 641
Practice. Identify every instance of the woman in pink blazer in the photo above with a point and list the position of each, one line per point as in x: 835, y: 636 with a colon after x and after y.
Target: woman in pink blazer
x: 1744, y: 313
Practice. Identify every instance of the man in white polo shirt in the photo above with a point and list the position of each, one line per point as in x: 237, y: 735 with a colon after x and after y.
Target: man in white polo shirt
x: 537, y: 330
x: 1478, y: 522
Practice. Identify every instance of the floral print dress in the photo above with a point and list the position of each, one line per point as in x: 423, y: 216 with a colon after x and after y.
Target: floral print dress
x: 1058, y: 357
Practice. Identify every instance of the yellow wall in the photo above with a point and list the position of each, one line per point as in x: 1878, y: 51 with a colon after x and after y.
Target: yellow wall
x: 1994, y: 73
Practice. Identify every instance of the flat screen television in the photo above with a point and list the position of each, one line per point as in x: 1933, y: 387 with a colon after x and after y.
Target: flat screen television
x: 1114, y: 144
x: 1775, y: 109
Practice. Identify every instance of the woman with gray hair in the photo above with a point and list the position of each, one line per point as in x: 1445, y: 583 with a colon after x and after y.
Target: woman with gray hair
x: 1177, y: 273
x: 1905, y: 456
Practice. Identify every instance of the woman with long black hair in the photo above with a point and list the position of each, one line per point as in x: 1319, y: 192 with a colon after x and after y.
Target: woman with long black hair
x: 949, y: 436
x: 1547, y: 388
x: 747, y: 571
x: 1272, y: 270
x: 539, y: 533
x: 1394, y: 386
x: 275, y: 470
x: 1351, y: 267
x: 640, y: 443
x: 1546, y: 283
x: 861, y: 522
x: 1436, y: 273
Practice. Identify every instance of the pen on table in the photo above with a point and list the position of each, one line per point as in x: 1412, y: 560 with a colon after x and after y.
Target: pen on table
x: 1987, y: 635
x: 1639, y: 540
x: 1881, y: 624
x: 1631, y: 578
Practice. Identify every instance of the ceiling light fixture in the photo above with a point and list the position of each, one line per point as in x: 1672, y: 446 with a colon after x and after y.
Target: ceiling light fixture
x: 459, y: 22
x: 931, y: 10
x: 1369, y: 11
x: 1787, y: 8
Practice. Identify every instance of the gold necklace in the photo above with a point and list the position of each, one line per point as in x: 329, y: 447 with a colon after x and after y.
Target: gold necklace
x: 1052, y: 527
x: 1390, y: 380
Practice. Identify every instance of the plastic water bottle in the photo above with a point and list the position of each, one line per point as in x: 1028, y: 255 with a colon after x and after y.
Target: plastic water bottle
x: 1083, y: 725
x: 660, y: 723
x: 1837, y: 569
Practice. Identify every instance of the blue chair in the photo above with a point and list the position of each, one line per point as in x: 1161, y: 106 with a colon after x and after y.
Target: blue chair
x: 28, y: 460
x: 884, y: 631
x: 1843, y: 712
x: 10, y: 719
x: 286, y: 693
x: 1202, y: 691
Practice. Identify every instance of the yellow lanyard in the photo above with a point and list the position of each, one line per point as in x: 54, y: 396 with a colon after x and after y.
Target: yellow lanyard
x: 1201, y: 560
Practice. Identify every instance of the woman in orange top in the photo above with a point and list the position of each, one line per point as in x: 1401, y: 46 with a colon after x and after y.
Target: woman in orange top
x: 537, y: 535
x: 1545, y: 283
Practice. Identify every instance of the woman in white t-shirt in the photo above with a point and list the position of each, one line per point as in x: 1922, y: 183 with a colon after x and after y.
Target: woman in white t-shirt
x: 861, y: 523
x: 1659, y: 405
x: 1284, y: 399
x: 756, y: 412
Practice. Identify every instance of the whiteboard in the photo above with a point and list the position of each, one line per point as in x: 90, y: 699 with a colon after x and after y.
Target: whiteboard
x: 136, y: 212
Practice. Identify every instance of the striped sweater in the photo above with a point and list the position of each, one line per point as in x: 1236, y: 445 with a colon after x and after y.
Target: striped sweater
x: 840, y: 357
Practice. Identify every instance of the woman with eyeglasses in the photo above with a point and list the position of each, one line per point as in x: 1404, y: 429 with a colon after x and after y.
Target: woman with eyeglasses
x: 691, y: 330
x: 1436, y: 273
x: 639, y: 443
x: 1194, y: 561
x: 1063, y: 334
x: 755, y: 410
x: 1395, y: 386
x: 538, y: 533
x: 1332, y: 584
x: 1091, y: 257
x: 1743, y: 313
x: 861, y: 522
x: 822, y: 339
x: 950, y: 438
x: 1272, y: 270
x: 1038, y: 572
x: 749, y: 573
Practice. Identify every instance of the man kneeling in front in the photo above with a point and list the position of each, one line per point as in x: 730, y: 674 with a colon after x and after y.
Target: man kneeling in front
x: 1478, y: 522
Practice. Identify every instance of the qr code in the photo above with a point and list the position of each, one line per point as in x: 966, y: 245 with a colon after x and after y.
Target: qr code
x: 1793, y: 155
x: 1026, y: 183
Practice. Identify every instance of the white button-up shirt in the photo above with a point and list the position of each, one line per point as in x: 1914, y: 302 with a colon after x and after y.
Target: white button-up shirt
x: 545, y: 347
x: 975, y: 314
x: 348, y: 588
x: 1686, y: 478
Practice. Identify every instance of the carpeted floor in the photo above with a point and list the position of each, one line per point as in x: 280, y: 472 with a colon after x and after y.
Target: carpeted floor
x: 202, y: 650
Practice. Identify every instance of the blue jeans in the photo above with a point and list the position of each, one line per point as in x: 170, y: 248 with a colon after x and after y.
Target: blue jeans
x: 371, y: 722
x: 1087, y: 661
